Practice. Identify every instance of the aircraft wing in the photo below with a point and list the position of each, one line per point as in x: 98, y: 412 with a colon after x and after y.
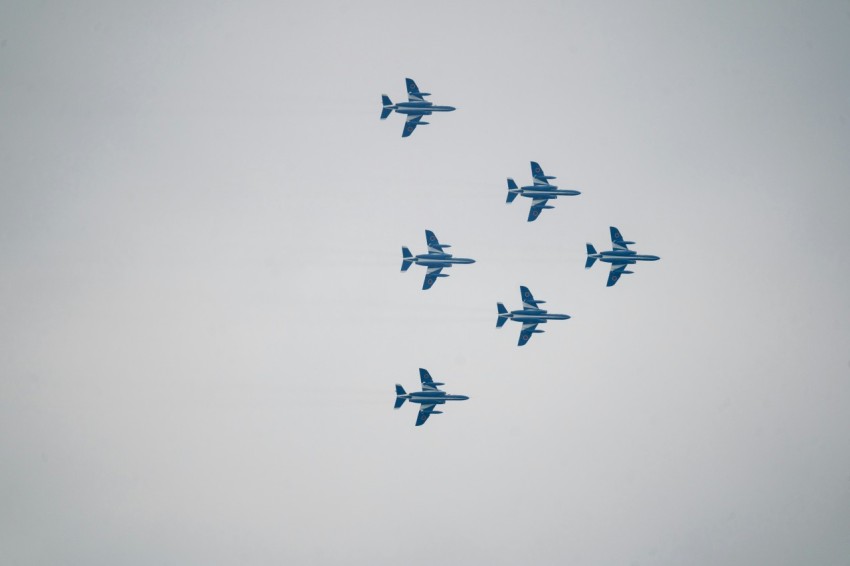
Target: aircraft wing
x: 526, y: 333
x: 536, y: 208
x: 617, y: 240
x: 528, y: 300
x: 615, y: 273
x: 410, y: 125
x: 433, y: 243
x: 413, y: 92
x: 424, y: 412
x: 431, y: 277
x: 540, y: 177
x: 428, y: 383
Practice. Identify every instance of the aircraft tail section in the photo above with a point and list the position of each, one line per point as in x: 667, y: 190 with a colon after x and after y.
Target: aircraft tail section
x: 513, y: 190
x: 591, y: 251
x: 400, y: 396
x: 502, y: 315
x: 406, y: 258
x: 387, y: 106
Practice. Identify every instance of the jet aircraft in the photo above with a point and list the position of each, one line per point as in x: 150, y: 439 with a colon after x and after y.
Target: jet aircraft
x: 530, y: 316
x: 415, y: 107
x: 428, y: 398
x: 541, y: 191
x: 435, y: 260
x: 619, y: 257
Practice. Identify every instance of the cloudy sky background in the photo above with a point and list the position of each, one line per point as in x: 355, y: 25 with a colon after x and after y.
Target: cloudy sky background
x: 202, y: 317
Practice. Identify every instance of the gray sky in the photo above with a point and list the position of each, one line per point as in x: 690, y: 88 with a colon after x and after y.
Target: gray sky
x: 202, y: 318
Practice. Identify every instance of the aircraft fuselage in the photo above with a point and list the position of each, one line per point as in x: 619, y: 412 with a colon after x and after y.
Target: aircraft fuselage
x: 433, y: 397
x: 419, y: 108
x: 534, y: 316
x: 623, y: 257
x: 440, y: 260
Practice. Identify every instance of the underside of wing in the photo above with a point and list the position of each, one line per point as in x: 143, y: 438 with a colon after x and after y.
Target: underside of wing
x: 431, y: 277
x: 413, y: 92
x: 424, y: 412
x: 538, y: 174
x: 433, y: 243
x: 428, y: 383
x: 536, y: 208
x: 617, y: 240
x: 526, y: 333
x: 615, y: 273
x: 412, y: 121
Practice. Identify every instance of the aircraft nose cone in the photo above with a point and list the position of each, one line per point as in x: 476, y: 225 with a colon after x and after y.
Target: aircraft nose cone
x: 655, y: 258
x: 450, y: 108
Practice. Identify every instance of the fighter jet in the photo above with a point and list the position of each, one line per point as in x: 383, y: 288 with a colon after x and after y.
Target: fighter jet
x: 415, y: 107
x: 428, y: 398
x: 435, y: 260
x: 619, y: 257
x: 530, y: 316
x: 541, y: 191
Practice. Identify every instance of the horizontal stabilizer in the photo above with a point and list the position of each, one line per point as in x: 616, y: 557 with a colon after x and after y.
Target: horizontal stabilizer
x: 406, y: 259
x: 591, y: 251
x: 387, y: 109
x: 513, y: 190
x: 502, y: 318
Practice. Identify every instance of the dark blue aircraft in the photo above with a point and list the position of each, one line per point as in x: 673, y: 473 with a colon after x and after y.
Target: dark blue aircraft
x: 428, y: 398
x: 619, y: 257
x: 435, y: 260
x: 541, y: 191
x: 415, y: 107
x: 530, y: 316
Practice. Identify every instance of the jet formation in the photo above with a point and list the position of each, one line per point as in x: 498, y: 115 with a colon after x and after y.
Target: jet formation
x: 541, y: 191
x: 428, y: 398
x: 530, y: 316
x: 619, y: 257
x: 415, y: 108
x: 435, y: 260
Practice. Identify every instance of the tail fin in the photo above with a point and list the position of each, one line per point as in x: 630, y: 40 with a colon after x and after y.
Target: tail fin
x: 399, y: 396
x: 406, y: 257
x: 502, y: 315
x: 591, y: 251
x: 513, y: 190
x: 385, y: 100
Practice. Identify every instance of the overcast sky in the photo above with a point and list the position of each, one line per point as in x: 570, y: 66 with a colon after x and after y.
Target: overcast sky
x: 202, y: 316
